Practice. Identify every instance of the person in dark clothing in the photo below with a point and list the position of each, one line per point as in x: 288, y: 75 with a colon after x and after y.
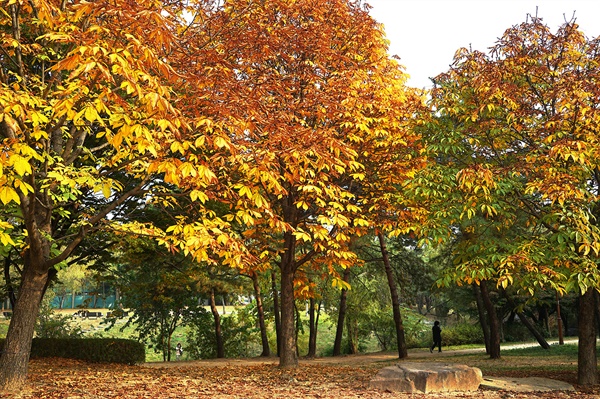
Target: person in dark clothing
x: 437, y: 336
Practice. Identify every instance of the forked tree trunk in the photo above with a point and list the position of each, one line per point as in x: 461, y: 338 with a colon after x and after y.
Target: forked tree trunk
x: 493, y: 320
x: 218, y: 333
x: 339, y: 333
x: 266, y: 352
x: 276, y: 310
x: 400, y: 339
x: 587, y: 366
x: 485, y: 328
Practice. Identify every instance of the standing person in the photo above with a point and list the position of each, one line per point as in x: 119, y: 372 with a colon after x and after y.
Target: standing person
x: 437, y: 336
x: 178, y: 351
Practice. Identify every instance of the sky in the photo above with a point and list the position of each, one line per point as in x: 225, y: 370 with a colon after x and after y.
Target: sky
x: 425, y: 34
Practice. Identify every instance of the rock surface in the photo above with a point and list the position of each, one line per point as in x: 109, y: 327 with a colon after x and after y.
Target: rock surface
x: 530, y: 384
x: 427, y: 377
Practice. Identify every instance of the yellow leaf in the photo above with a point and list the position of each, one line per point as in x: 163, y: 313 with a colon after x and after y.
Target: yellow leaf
x: 8, y: 194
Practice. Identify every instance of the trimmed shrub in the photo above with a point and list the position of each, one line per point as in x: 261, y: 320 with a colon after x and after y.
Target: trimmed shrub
x: 462, y: 334
x: 98, y: 350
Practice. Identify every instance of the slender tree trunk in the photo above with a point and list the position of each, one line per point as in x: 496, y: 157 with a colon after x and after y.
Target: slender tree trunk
x: 276, y: 310
x: 313, y: 314
x: 587, y: 364
x: 402, y: 350
x: 337, y: 345
x: 218, y: 332
x: 266, y: 352
x: 559, y: 323
x: 352, y: 331
x: 485, y: 328
x: 493, y: 320
x: 8, y: 281
x: 14, y: 361
x: 540, y: 339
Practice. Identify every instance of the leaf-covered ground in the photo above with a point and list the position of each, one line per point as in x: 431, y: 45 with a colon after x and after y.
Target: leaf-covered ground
x: 60, y: 378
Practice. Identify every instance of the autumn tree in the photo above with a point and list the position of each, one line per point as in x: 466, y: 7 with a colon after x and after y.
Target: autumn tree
x: 293, y: 87
x: 89, y: 123
x: 514, y: 136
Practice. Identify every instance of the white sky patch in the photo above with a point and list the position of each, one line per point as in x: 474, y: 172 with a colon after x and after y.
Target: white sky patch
x: 425, y: 34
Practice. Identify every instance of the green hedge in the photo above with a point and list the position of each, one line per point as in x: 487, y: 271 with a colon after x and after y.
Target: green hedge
x: 98, y: 350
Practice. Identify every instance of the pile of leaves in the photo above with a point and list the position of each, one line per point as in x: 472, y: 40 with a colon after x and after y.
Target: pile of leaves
x: 61, y: 378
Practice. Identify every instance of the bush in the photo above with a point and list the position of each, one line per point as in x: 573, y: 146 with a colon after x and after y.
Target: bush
x: 97, y: 350
x: 50, y: 324
x: 461, y: 334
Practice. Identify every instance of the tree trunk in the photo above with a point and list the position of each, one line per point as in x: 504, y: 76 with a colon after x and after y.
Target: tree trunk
x: 288, y: 357
x: 14, y: 361
x: 276, y: 310
x: 218, y: 332
x: 314, y: 312
x: 402, y: 350
x: 485, y: 328
x: 493, y: 320
x: 337, y: 345
x: 10, y: 289
x: 266, y: 351
x: 352, y: 331
x: 587, y: 367
x: 559, y: 324
x: 540, y: 339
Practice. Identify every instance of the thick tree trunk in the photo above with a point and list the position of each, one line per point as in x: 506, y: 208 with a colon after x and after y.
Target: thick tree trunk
x: 276, y: 310
x: 266, y: 352
x: 218, y: 333
x: 339, y: 333
x: 493, y: 320
x: 587, y: 367
x: 402, y: 349
x: 288, y: 357
x: 485, y: 328
x: 14, y: 360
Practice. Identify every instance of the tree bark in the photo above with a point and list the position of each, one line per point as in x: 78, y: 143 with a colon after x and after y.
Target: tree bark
x: 540, y: 339
x: 266, y: 351
x: 312, y: 337
x: 288, y: 357
x: 493, y: 320
x: 559, y: 323
x: 587, y: 364
x: 485, y: 328
x: 276, y: 310
x: 218, y: 333
x: 402, y: 349
x: 339, y: 333
x: 352, y: 331
x: 14, y: 361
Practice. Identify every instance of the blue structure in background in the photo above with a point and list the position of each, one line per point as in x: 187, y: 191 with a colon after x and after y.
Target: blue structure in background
x: 86, y: 301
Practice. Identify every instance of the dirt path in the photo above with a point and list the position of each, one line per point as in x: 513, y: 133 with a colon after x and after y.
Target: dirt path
x: 360, y: 359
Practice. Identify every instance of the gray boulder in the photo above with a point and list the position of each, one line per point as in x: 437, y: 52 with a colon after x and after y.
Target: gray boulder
x: 427, y: 377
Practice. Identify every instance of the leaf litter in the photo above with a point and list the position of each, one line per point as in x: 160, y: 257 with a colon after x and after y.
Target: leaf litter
x: 71, y: 379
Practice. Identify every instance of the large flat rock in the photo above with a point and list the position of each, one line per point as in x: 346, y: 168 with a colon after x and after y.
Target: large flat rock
x: 427, y: 377
x: 529, y: 384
